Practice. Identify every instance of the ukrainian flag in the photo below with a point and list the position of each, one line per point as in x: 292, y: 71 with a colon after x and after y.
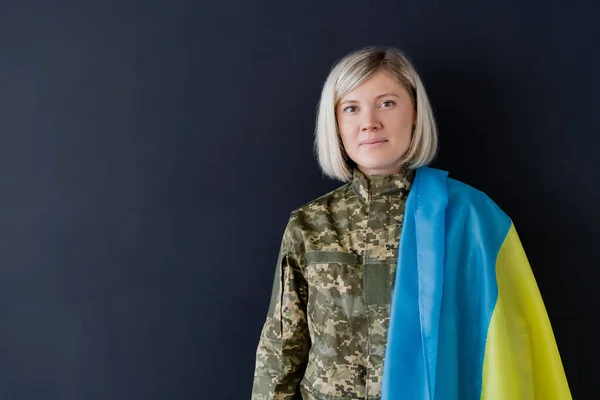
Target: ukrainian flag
x: 467, y: 319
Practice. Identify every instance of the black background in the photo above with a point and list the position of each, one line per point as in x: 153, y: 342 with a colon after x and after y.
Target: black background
x: 151, y: 153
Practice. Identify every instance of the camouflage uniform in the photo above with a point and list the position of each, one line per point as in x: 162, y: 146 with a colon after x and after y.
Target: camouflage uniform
x: 326, y: 329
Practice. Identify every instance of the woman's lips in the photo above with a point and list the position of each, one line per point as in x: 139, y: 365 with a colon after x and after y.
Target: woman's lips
x: 373, y: 144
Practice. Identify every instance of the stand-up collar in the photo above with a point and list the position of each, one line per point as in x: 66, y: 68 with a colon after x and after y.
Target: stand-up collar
x: 377, y: 186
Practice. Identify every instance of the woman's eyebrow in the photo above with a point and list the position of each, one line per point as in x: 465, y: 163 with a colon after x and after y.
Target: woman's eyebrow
x: 378, y: 97
x: 387, y: 94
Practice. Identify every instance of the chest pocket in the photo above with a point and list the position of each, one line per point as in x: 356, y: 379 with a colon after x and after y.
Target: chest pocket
x: 335, y: 284
x: 340, y: 273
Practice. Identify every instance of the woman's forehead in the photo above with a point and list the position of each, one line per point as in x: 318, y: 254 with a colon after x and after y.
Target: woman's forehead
x: 378, y: 85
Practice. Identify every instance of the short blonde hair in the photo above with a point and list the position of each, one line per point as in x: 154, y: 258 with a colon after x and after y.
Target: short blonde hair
x: 348, y: 73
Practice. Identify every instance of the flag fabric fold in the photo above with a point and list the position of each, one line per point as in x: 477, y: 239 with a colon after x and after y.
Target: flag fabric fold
x: 467, y: 319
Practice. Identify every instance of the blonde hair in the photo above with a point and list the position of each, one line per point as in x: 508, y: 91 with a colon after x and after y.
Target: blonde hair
x: 348, y: 73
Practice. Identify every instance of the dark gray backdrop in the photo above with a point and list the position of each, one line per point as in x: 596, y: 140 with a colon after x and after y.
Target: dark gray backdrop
x: 151, y: 152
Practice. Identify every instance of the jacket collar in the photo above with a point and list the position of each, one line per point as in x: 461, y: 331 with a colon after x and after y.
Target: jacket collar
x: 378, y: 186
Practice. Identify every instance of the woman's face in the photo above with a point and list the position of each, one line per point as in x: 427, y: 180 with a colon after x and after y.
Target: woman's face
x: 375, y: 121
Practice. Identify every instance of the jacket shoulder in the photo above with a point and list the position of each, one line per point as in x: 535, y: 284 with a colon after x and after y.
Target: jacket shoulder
x: 311, y: 216
x: 306, y: 219
x: 324, y: 200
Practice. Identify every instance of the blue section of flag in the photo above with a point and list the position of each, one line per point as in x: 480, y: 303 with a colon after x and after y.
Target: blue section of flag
x: 445, y: 290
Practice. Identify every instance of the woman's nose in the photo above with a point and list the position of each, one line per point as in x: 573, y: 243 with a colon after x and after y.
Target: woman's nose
x: 370, y: 122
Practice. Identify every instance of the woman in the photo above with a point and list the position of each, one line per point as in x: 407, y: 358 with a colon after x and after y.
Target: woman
x: 399, y: 264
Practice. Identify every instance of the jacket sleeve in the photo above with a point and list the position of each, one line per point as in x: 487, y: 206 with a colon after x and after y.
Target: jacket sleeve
x: 284, y: 342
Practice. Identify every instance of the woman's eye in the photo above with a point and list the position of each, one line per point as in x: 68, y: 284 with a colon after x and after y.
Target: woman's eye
x: 387, y: 103
x: 350, y: 109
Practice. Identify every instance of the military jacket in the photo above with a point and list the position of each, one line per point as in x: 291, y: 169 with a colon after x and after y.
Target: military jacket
x: 325, y: 334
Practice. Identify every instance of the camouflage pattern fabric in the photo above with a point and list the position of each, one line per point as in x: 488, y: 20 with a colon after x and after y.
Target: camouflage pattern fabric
x: 325, y: 334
